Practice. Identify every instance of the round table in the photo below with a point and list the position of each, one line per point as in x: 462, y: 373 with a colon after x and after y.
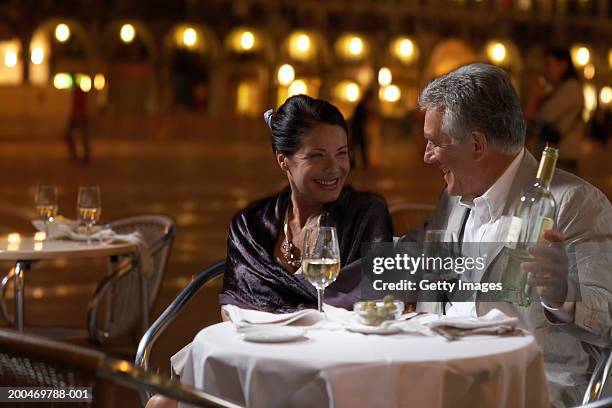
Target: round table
x: 343, y: 369
x: 26, y: 250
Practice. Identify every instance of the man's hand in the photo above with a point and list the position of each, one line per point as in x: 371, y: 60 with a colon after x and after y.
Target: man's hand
x: 549, y: 269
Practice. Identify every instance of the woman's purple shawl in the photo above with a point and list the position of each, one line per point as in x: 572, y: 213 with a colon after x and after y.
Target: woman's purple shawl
x: 254, y: 280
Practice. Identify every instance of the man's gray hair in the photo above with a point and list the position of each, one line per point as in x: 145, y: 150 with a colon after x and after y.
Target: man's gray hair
x: 478, y: 96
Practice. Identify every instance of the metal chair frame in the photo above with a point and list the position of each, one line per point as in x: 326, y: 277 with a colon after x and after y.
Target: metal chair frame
x: 600, y: 376
x: 169, y: 314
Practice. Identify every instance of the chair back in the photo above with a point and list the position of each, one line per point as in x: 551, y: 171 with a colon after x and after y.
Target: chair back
x: 158, y: 231
x: 123, y: 299
x: 31, y: 361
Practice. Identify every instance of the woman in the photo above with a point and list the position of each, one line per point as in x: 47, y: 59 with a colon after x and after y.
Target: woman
x: 309, y: 140
x: 558, y: 114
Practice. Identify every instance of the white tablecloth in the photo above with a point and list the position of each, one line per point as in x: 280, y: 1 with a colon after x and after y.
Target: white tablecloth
x: 343, y: 369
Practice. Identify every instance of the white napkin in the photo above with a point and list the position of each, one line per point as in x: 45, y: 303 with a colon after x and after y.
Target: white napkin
x: 494, y: 322
x: 242, y: 318
x: 335, y: 319
x: 59, y: 228
x: 69, y: 229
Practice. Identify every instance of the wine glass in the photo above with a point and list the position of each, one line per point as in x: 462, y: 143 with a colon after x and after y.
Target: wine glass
x: 321, y: 259
x: 45, y: 200
x: 89, y: 207
x: 439, y: 244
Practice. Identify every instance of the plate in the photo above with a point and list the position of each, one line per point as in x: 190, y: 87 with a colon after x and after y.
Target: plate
x: 272, y: 334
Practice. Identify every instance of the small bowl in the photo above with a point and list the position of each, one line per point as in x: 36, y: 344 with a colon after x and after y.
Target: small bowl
x: 375, y: 312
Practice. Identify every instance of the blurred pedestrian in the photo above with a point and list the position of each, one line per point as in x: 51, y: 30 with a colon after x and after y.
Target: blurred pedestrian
x: 78, y: 127
x: 556, y: 108
x: 359, y: 128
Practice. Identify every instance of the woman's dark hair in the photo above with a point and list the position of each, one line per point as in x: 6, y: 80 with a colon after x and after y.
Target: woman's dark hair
x: 298, y: 115
x: 563, y: 55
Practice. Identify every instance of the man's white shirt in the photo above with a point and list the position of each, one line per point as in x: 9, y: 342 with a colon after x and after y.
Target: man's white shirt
x: 483, y: 226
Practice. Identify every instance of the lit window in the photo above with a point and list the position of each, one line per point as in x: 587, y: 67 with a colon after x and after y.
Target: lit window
x: 84, y: 83
x: 590, y: 101
x: 62, y: 32
x: 247, y: 40
x: 355, y: 46
x: 391, y: 93
x: 384, y: 76
x: 190, y: 37
x: 589, y: 71
x: 580, y: 55
x: 605, y: 95
x: 347, y: 91
x: 286, y: 74
x: 496, y: 52
x: 62, y: 81
x: 127, y: 33
x: 404, y: 49
x: 247, y: 98
x: 38, y: 55
x: 300, y: 46
x: 351, y: 47
x: 298, y: 87
x: 10, y: 59
x: 99, y: 82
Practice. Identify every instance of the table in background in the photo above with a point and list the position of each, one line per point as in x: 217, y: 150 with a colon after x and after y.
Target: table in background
x: 25, y: 251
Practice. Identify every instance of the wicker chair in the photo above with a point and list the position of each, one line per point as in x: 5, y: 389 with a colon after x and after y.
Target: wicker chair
x: 123, y: 299
x: 154, y: 332
x: 126, y: 297
x: 31, y: 361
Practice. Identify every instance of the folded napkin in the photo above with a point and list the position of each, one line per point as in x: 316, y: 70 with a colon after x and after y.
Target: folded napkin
x: 335, y: 319
x: 65, y: 228
x: 495, y: 322
x: 243, y: 318
x: 58, y: 228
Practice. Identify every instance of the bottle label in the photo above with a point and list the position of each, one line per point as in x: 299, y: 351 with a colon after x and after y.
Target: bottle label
x: 546, y: 224
x: 514, y: 231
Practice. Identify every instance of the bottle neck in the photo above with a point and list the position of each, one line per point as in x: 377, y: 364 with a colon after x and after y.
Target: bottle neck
x: 545, y: 184
x: 546, y: 169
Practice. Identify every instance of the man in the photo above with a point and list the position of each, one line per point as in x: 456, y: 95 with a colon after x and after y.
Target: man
x: 475, y: 133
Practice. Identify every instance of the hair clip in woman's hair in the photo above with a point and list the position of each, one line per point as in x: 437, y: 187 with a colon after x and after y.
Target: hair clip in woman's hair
x: 268, y: 117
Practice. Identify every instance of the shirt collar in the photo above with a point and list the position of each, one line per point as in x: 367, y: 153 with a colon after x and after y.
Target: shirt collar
x: 494, y: 199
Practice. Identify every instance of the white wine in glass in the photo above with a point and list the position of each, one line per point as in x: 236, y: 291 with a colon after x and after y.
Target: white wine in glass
x: 89, y: 206
x: 46, y: 204
x: 321, y: 259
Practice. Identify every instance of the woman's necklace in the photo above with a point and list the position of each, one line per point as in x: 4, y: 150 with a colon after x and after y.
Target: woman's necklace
x: 288, y: 249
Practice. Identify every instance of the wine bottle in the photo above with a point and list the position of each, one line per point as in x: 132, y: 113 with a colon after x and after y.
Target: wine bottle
x: 530, y: 216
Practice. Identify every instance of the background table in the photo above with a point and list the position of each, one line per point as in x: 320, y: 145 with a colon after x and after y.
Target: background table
x: 25, y: 251
x: 343, y: 369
